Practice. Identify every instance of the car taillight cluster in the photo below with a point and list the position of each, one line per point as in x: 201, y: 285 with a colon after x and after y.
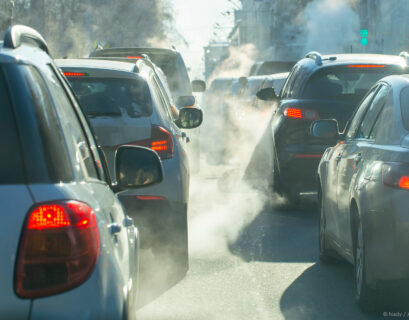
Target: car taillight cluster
x: 396, y: 175
x: 305, y: 114
x: 58, y: 249
x: 160, y: 141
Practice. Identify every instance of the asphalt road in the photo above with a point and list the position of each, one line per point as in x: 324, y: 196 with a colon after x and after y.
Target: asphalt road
x: 249, y: 259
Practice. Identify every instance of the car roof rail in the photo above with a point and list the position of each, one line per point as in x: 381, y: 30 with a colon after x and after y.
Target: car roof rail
x: 315, y: 56
x: 18, y: 34
x: 405, y: 56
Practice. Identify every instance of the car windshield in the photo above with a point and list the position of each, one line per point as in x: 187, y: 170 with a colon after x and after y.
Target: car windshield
x: 113, y: 97
x: 346, y: 83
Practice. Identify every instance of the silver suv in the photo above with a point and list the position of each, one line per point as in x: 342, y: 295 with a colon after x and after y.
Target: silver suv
x: 68, y: 249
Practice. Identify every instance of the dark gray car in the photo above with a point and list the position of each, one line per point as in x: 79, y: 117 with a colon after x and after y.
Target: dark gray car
x: 363, y: 189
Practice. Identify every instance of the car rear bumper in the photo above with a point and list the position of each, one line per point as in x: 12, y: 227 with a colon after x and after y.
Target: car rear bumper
x: 298, y: 165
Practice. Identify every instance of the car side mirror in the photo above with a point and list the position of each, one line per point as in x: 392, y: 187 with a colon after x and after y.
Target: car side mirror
x: 137, y: 167
x: 198, y: 86
x: 186, y: 101
x: 267, y: 94
x: 325, y: 129
x: 189, y: 118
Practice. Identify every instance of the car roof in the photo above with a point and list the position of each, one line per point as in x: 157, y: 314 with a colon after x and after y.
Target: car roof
x: 397, y: 80
x: 355, y: 58
x: 97, y: 64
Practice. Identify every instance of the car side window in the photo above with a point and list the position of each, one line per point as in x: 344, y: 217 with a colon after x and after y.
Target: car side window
x: 384, y: 130
x: 372, y: 113
x: 289, y: 83
x: 360, y: 112
x: 80, y: 152
x: 161, y: 101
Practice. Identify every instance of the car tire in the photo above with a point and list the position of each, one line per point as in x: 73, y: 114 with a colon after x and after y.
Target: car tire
x: 324, y: 253
x: 364, y: 295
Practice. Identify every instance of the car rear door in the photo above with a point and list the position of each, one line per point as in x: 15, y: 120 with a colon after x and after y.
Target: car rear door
x: 15, y: 202
x: 354, y: 153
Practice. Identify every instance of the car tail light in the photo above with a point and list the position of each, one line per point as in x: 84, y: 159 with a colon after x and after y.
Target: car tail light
x: 58, y: 249
x: 306, y: 114
x: 396, y: 175
x: 161, y: 141
x: 134, y: 57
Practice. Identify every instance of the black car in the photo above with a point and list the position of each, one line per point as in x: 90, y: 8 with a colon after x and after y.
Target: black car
x: 318, y: 87
x: 363, y: 184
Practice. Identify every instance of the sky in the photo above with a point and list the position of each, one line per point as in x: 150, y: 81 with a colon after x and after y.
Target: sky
x: 195, y: 20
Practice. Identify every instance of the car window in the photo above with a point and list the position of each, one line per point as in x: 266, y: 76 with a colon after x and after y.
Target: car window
x: 287, y: 90
x: 404, y: 107
x: 371, y: 113
x: 356, y: 119
x: 81, y: 155
x: 113, y: 97
x: 159, y: 97
x: 346, y: 83
x: 11, y: 162
x: 385, y: 130
x: 53, y: 148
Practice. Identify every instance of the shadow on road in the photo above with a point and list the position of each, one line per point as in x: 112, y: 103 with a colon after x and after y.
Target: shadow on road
x: 323, y: 292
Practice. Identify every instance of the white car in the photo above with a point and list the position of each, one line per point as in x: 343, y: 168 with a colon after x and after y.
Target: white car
x: 68, y: 249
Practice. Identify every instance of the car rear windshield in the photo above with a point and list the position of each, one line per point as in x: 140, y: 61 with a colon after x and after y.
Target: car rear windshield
x: 347, y: 83
x: 11, y: 164
x: 168, y: 64
x: 113, y: 97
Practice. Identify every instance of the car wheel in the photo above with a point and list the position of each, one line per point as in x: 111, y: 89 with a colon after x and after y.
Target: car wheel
x: 363, y: 293
x: 324, y: 254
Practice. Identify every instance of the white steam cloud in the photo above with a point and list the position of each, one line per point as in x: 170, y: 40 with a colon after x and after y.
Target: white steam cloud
x: 330, y: 26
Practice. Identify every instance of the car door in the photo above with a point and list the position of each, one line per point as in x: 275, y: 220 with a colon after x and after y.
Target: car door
x: 352, y: 158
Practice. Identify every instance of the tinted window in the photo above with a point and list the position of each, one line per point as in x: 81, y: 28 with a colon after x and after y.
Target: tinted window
x: 160, y: 99
x: 385, y: 130
x: 356, y: 119
x: 53, y: 146
x: 11, y: 164
x: 81, y: 155
x: 404, y: 107
x: 289, y: 83
x: 345, y: 83
x: 372, y: 113
x: 113, y: 97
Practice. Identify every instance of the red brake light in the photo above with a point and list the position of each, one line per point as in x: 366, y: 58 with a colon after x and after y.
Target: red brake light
x: 58, y: 250
x: 293, y: 113
x: 48, y: 216
x: 74, y: 74
x: 297, y: 113
x: 366, y: 66
x: 404, y: 182
x: 134, y: 57
x: 161, y: 141
x: 396, y: 175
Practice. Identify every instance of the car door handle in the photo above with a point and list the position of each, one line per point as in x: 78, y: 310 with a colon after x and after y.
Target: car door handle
x: 358, y: 158
x: 114, y: 228
x: 128, y: 222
